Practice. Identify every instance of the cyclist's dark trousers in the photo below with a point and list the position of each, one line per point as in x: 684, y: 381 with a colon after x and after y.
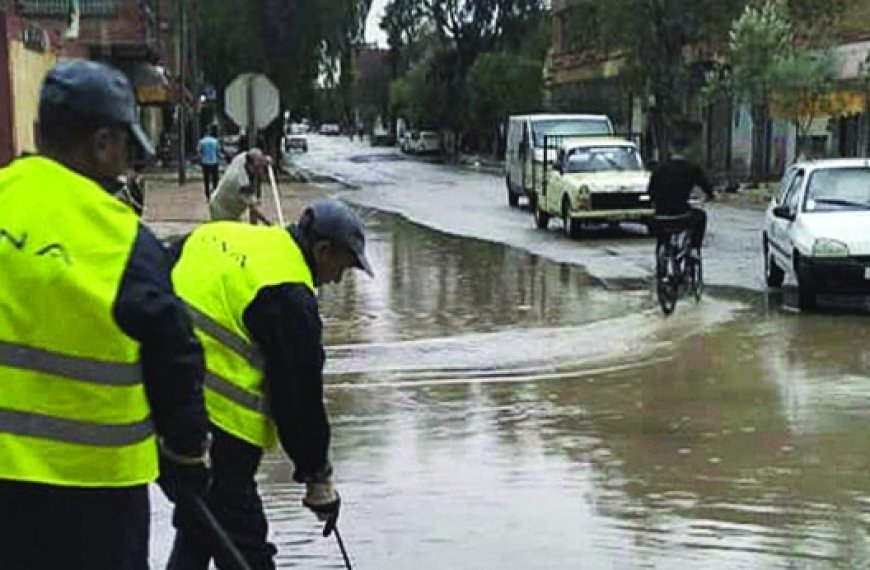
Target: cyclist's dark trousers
x: 698, y: 224
x: 235, y: 502
x: 46, y: 527
x: 210, y: 175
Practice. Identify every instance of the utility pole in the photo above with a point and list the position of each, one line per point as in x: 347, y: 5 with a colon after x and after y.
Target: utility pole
x: 182, y: 70
x: 196, y: 76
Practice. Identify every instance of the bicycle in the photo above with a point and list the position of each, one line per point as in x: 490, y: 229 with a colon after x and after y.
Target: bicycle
x: 679, y: 268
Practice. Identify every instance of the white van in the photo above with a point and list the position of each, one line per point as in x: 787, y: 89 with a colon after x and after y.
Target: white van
x: 525, y: 147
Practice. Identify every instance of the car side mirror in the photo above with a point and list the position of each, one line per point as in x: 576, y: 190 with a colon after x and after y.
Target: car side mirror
x: 784, y: 212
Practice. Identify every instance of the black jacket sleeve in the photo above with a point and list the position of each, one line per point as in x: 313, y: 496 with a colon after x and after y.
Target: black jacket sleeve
x: 284, y: 320
x: 173, y: 366
x: 703, y: 181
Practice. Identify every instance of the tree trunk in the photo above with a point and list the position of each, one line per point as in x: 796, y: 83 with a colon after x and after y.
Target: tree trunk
x: 759, y: 142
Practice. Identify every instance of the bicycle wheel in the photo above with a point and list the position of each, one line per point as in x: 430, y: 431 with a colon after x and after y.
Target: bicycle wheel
x: 696, y: 275
x: 667, y: 288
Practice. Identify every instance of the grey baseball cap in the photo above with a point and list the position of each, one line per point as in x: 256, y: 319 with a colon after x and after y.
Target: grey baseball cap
x: 93, y: 91
x: 334, y: 222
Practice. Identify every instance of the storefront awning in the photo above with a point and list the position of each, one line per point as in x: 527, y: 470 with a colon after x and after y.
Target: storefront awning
x: 837, y: 104
x: 152, y: 84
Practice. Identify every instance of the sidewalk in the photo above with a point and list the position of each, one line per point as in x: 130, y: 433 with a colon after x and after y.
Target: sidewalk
x: 171, y: 209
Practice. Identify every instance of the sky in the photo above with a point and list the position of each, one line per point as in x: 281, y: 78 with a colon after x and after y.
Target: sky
x: 373, y: 30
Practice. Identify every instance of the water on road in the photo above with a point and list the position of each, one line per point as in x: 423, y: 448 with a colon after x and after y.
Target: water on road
x: 492, y: 409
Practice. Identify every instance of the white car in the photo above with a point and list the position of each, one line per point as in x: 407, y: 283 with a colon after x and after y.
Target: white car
x: 816, y: 229
x: 330, y: 129
x: 429, y: 142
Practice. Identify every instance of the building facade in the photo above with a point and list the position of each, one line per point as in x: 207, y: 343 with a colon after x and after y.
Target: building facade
x: 36, y: 34
x: 583, y: 75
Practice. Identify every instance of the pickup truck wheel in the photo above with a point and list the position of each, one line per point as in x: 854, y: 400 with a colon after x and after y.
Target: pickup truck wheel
x: 569, y: 224
x: 542, y: 219
x: 773, y: 273
x: 513, y: 199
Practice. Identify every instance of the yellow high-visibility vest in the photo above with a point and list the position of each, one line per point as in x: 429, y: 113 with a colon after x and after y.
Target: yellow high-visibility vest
x: 73, y: 409
x: 222, y: 268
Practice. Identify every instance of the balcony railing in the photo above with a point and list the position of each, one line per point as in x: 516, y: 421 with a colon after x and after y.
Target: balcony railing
x: 60, y: 8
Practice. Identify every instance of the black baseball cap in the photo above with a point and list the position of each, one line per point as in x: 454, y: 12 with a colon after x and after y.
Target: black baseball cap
x: 336, y: 223
x: 92, y: 91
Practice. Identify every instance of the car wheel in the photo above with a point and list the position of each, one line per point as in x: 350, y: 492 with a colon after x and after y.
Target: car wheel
x: 806, y: 292
x: 570, y: 226
x: 542, y: 218
x: 774, y: 275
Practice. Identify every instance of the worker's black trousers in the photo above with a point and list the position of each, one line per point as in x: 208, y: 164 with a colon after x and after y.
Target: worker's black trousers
x: 235, y: 502
x: 45, y: 527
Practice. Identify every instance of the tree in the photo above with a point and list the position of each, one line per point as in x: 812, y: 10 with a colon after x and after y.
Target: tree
x: 405, y: 23
x: 499, y: 85
x: 291, y: 41
x: 801, y: 82
x: 759, y: 40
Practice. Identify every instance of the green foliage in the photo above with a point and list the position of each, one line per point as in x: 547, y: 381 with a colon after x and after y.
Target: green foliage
x: 292, y: 42
x: 502, y: 84
x: 759, y: 39
x: 801, y: 82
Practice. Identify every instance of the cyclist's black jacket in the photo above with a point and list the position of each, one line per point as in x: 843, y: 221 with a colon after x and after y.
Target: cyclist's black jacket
x: 671, y: 184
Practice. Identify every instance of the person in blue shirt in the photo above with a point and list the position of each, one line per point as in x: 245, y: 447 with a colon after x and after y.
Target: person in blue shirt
x: 209, y: 159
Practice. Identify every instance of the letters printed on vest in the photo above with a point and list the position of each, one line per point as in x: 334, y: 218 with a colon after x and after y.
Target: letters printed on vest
x: 222, y: 268
x: 73, y: 409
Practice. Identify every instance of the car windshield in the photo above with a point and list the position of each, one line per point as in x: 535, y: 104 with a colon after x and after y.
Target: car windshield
x: 603, y: 159
x: 567, y: 127
x: 836, y: 189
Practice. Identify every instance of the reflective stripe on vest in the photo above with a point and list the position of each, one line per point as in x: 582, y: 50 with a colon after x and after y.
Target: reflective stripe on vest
x: 228, y: 338
x: 76, y: 432
x: 223, y: 267
x: 82, y: 369
x: 73, y: 407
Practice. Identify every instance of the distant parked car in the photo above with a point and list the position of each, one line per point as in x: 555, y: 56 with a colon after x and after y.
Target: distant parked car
x: 295, y: 138
x: 330, y: 129
x: 816, y: 229
x: 429, y: 142
x: 382, y: 137
x: 407, y: 142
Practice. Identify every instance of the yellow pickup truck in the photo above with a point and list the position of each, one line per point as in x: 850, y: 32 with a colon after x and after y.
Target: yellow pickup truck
x: 594, y: 180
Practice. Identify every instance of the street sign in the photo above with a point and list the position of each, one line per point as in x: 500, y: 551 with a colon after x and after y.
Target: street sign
x: 252, y: 100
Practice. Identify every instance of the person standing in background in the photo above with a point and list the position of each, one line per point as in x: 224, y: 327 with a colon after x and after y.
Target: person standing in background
x: 209, y: 160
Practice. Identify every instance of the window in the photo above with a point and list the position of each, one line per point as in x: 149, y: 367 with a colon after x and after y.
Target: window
x: 792, y: 197
x: 785, y: 185
x: 836, y: 189
x: 60, y: 8
x: 603, y: 159
x: 560, y: 129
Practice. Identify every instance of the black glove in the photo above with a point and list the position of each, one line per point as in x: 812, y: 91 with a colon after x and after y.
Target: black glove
x: 324, y: 502
x: 183, y: 476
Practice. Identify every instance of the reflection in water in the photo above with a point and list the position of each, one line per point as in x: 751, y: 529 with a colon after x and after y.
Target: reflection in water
x: 431, y: 285
x: 491, y: 410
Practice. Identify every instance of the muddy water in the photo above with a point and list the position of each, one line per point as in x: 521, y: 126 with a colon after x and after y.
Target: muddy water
x: 492, y: 410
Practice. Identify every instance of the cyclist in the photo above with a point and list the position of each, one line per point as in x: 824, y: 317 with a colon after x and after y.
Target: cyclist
x: 671, y: 184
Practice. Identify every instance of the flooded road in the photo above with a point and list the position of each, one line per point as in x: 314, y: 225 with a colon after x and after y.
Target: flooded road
x: 495, y: 410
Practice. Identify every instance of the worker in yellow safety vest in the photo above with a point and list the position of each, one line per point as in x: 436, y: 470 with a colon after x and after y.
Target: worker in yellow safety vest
x: 251, y: 292
x: 99, y: 364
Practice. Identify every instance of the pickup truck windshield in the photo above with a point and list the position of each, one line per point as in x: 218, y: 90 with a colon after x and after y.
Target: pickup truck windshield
x: 567, y: 127
x: 603, y: 159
